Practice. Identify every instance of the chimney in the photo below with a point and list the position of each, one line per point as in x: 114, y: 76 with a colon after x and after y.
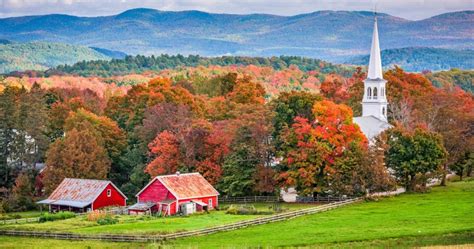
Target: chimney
x: 177, y: 173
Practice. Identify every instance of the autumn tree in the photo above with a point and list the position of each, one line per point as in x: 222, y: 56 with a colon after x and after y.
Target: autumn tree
x: 320, y: 154
x: 413, y: 154
x: 113, y: 138
x: 287, y: 107
x: 80, y: 154
x: 22, y: 192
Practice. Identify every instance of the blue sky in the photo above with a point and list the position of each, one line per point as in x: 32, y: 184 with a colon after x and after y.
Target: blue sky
x: 409, y: 9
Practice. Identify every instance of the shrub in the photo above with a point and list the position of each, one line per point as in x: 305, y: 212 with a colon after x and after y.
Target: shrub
x: 56, y: 216
x: 107, y: 220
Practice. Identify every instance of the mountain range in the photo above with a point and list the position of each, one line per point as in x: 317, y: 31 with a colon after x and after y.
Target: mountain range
x: 331, y: 35
x: 418, y: 59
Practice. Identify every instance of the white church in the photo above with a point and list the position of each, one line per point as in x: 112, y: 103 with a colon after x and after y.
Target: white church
x: 374, y: 103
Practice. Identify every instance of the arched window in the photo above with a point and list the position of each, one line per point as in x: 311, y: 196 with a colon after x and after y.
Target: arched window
x: 383, y: 111
x: 382, y: 91
x: 375, y: 92
x: 369, y: 93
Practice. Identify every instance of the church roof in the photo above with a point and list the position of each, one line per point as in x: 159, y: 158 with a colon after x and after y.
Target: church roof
x: 371, y: 126
x: 375, y: 62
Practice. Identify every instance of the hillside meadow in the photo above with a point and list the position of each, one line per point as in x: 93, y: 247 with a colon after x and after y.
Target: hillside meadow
x: 440, y: 217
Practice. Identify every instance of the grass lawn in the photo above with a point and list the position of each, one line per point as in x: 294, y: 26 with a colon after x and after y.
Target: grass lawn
x: 446, y: 210
x: 19, y: 215
x: 145, y: 224
x: 22, y: 242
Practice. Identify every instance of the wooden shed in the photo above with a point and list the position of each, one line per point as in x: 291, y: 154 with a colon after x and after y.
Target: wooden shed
x: 166, y: 194
x: 80, y: 195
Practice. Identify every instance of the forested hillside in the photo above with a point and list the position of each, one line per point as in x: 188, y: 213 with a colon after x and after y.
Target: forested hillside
x: 140, y: 64
x: 328, y: 35
x: 453, y: 77
x: 417, y: 59
x: 43, y: 55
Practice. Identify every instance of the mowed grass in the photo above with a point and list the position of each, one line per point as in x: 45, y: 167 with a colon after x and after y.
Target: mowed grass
x: 446, y: 210
x: 19, y: 215
x: 145, y: 224
x: 23, y: 242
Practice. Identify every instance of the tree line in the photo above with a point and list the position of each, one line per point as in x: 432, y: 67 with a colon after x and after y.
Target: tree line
x: 239, y: 141
x: 140, y: 63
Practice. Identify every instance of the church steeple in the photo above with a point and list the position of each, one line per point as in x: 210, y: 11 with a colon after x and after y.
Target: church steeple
x: 375, y: 101
x: 375, y: 63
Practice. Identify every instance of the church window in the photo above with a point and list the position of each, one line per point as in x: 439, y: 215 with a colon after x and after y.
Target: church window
x: 375, y: 92
x: 383, y: 111
x: 369, y: 93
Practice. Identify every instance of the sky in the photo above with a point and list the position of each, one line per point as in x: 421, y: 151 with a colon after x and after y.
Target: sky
x: 409, y: 9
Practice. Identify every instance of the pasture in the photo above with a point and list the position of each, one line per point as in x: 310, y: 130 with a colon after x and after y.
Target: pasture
x: 441, y: 217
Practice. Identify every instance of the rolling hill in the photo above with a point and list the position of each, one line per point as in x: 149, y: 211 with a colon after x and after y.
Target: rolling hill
x: 417, y: 59
x: 43, y: 55
x: 330, y: 35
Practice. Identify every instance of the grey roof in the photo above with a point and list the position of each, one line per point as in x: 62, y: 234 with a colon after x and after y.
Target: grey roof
x: 142, y: 206
x: 371, y: 126
x: 78, y: 204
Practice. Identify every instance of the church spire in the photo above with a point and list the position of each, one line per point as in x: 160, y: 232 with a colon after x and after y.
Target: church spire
x: 375, y: 63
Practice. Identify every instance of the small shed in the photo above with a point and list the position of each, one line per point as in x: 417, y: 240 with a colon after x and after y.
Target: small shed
x: 167, y: 193
x: 80, y: 195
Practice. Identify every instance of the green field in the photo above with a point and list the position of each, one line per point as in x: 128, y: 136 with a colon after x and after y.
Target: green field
x: 441, y: 217
x: 146, y: 224
x: 20, y: 215
x: 446, y: 210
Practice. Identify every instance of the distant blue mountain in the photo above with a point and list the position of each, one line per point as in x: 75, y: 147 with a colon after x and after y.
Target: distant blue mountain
x: 329, y: 35
x: 417, y: 59
x: 110, y: 53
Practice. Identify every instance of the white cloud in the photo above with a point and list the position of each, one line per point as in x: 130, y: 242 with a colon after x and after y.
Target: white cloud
x: 410, y: 9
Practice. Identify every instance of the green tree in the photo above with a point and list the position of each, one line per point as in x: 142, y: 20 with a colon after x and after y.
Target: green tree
x: 240, y: 166
x: 414, y: 153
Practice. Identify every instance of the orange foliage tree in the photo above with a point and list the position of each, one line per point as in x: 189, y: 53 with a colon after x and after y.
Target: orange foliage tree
x: 317, y: 154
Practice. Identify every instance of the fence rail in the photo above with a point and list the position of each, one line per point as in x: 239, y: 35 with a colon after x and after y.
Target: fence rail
x: 320, y: 199
x: 18, y: 221
x: 249, y: 199
x: 176, y: 235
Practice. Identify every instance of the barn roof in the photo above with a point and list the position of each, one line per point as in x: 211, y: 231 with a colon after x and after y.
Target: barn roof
x: 78, y: 192
x: 186, y: 186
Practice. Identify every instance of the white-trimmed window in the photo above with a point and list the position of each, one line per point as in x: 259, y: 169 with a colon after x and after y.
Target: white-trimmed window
x: 109, y: 192
x: 375, y: 92
x: 369, y: 93
x: 209, y: 203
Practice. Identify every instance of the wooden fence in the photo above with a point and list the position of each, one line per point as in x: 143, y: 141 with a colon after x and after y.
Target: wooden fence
x: 19, y: 221
x: 319, y: 199
x: 249, y: 199
x: 199, y: 232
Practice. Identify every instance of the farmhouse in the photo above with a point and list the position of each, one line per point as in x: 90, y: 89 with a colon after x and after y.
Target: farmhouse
x: 170, y: 194
x: 81, y: 195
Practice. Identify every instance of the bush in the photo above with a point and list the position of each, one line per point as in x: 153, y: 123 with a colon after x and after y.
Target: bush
x: 107, y: 220
x: 56, y: 216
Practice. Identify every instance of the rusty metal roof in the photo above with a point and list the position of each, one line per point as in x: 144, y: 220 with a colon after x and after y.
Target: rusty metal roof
x: 186, y: 186
x: 84, y: 191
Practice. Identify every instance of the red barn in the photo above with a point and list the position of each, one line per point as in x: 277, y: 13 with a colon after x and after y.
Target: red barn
x: 81, y: 195
x: 167, y: 194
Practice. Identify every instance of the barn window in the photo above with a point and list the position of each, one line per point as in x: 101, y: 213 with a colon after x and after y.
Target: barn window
x: 369, y: 93
x: 109, y: 193
x: 209, y: 203
x: 375, y: 92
